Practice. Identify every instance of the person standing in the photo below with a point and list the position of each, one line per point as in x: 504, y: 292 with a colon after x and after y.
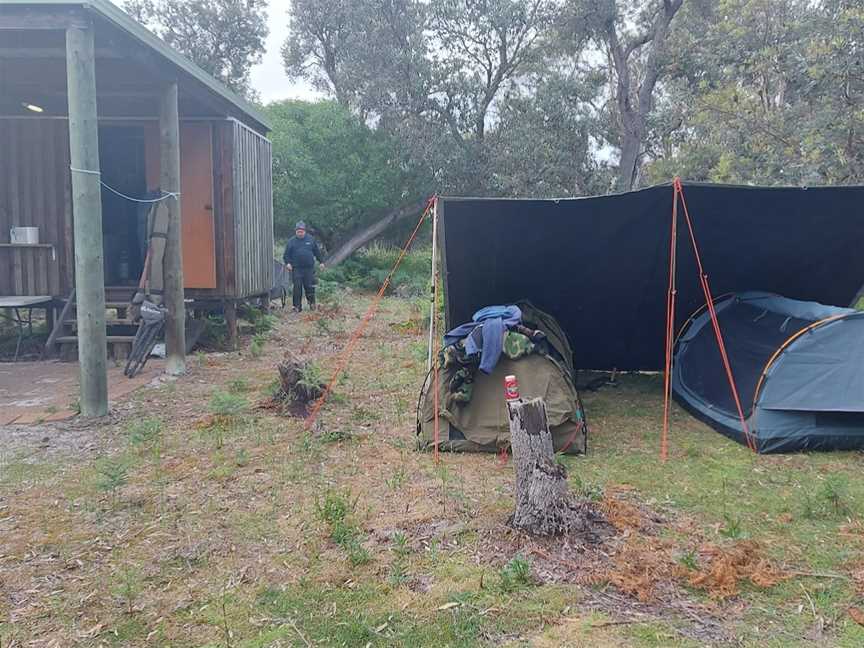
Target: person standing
x: 299, y: 258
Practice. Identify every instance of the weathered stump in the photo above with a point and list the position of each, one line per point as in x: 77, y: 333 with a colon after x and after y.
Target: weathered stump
x: 298, y: 383
x: 544, y: 505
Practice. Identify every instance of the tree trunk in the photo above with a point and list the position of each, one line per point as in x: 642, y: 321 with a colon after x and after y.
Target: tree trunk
x: 369, y: 233
x: 635, y: 99
x: 543, y: 502
x: 628, y: 166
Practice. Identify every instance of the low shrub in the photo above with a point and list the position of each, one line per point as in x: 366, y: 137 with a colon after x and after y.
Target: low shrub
x: 368, y: 268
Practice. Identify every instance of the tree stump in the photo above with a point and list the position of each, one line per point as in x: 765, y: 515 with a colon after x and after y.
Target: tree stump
x: 299, y: 384
x: 544, y: 505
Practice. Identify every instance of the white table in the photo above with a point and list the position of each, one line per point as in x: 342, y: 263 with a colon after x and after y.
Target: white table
x: 16, y: 305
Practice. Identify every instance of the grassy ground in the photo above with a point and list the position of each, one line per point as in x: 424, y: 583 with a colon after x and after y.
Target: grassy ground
x: 209, y: 521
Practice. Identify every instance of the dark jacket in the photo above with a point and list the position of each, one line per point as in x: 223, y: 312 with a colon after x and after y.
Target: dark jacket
x: 301, y: 253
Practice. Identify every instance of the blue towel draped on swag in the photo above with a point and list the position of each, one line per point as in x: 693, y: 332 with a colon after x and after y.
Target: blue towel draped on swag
x: 484, y: 334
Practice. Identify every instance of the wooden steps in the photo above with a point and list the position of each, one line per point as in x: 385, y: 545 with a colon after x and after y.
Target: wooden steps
x: 119, y: 326
x: 112, y: 339
x: 109, y: 322
x: 109, y: 305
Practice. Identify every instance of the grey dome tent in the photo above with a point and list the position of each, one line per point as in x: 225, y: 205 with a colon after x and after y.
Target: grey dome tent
x: 798, y: 367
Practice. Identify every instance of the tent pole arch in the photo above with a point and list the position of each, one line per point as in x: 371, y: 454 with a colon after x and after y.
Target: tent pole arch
x: 789, y: 342
x: 697, y: 313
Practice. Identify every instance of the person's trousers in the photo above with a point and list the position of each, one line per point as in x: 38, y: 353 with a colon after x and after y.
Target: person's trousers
x: 304, y: 282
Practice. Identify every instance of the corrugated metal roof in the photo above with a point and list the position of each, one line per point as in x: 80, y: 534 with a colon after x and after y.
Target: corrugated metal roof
x: 113, y: 14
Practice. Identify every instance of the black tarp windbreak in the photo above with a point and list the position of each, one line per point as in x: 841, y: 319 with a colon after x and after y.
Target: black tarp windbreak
x: 600, y: 265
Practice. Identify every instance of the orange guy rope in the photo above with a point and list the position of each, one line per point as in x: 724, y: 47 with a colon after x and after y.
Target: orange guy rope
x: 751, y: 443
x: 434, y: 289
x: 433, y: 338
x: 348, y: 351
x: 670, y: 328
x: 436, y: 425
x: 706, y: 289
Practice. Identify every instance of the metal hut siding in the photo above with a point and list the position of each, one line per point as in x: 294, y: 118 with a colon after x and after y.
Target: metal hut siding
x: 253, y: 212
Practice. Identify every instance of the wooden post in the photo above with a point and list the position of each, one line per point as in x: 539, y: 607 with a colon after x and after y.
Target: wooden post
x: 87, y: 211
x: 230, y: 310
x: 544, y: 505
x: 433, y: 342
x: 175, y: 324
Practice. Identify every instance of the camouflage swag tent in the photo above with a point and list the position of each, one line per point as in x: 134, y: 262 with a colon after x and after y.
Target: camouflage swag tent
x: 472, y: 413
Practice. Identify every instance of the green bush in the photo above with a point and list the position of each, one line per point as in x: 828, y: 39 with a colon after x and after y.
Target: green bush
x: 367, y: 270
x: 516, y: 574
x: 333, y: 170
x: 327, y: 288
x: 215, y: 335
x: 111, y: 476
x: 261, y: 322
x: 227, y: 404
x: 145, y: 432
x: 335, y: 511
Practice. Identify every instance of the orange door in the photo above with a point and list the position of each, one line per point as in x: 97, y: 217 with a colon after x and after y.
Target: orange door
x: 196, y: 188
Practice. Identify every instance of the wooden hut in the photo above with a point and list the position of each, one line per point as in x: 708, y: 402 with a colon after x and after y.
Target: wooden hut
x: 149, y: 101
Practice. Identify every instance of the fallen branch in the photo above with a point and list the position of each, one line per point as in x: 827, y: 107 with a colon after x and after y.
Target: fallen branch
x: 370, y: 232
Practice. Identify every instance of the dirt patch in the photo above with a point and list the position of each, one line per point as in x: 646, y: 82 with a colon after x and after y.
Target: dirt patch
x: 75, y: 438
x: 574, y: 558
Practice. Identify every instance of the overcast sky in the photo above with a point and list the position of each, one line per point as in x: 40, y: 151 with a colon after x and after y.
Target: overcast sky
x: 268, y: 78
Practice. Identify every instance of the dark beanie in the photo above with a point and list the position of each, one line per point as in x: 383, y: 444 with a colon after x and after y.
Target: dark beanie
x: 300, y: 225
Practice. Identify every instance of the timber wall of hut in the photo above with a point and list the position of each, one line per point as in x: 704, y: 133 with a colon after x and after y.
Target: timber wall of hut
x: 253, y: 212
x: 35, y: 191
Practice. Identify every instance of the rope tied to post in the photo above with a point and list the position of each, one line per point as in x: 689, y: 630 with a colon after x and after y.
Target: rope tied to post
x: 147, y: 201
